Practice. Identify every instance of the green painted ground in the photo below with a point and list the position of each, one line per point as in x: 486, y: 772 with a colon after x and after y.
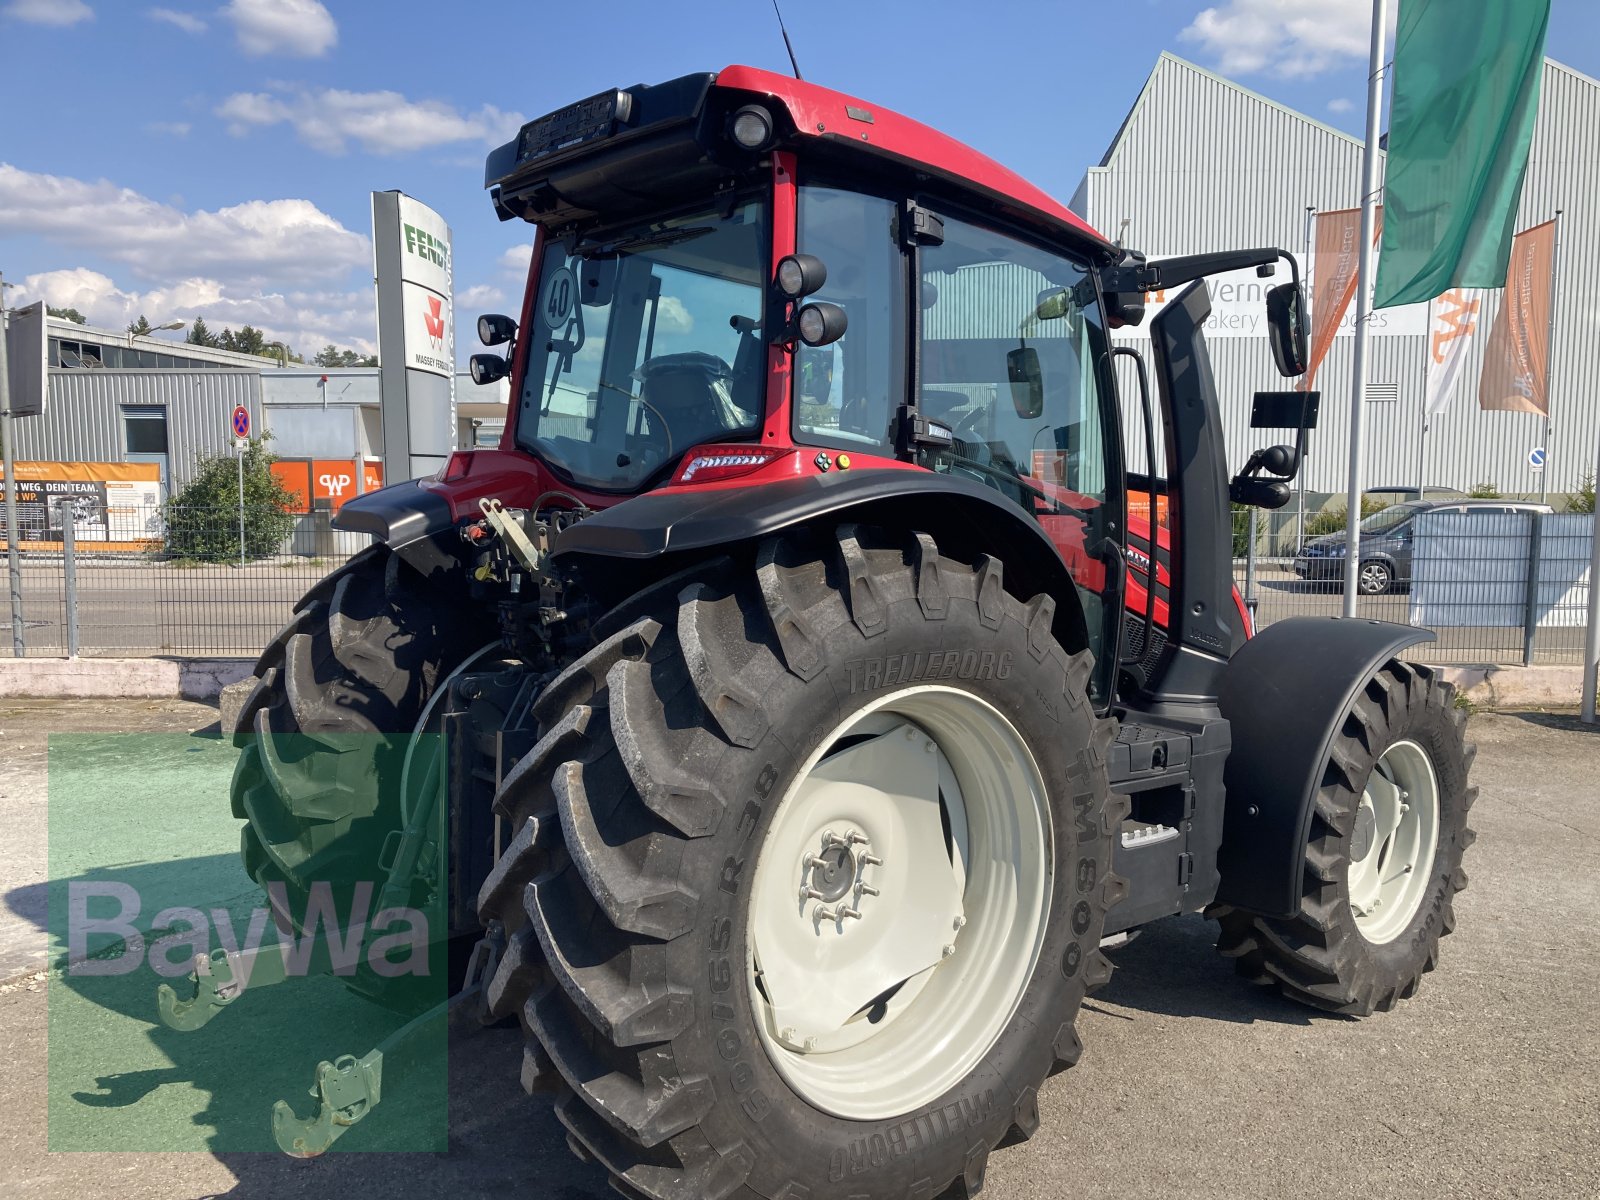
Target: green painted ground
x: 149, y: 812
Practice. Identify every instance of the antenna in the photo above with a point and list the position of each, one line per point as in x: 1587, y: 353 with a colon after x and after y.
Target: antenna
x: 787, y: 44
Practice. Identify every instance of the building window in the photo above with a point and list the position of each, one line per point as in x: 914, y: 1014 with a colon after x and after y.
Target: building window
x: 144, y: 429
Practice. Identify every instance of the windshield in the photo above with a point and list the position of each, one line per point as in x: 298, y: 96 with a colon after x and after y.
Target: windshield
x: 1388, y: 518
x: 645, y: 343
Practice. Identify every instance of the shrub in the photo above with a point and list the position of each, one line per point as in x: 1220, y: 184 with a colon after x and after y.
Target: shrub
x: 1582, y: 500
x: 1332, y: 520
x: 203, y: 518
x: 1485, y: 491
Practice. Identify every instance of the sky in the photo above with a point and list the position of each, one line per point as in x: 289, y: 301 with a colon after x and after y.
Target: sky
x: 216, y: 160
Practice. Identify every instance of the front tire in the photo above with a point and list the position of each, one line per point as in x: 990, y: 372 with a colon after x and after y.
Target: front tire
x: 323, y: 733
x: 1383, y: 863
x: 677, y: 806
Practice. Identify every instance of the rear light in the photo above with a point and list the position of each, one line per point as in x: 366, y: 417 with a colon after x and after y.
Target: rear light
x: 710, y: 463
x: 458, y: 466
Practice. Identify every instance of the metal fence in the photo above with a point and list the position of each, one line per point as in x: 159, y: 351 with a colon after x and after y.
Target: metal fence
x: 1501, y: 587
x: 1498, y: 588
x: 132, y: 583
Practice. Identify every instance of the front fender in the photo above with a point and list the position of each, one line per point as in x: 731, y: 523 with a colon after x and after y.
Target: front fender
x: 1285, y: 695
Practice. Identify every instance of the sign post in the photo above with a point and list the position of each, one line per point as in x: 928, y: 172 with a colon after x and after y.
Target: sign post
x: 241, y: 434
x: 7, y: 430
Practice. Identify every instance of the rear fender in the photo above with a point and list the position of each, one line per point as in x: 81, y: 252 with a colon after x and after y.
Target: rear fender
x: 1285, y: 694
x: 616, y: 552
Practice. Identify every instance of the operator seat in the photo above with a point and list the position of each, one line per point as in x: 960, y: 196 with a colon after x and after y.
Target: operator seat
x: 690, y: 393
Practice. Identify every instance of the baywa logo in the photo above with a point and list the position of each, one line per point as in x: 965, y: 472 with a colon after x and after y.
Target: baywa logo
x: 426, y: 247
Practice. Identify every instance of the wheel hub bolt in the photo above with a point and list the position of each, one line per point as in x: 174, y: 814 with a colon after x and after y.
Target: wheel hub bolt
x: 835, y: 873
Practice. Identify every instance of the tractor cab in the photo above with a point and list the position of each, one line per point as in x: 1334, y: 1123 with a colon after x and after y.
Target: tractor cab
x: 810, y: 285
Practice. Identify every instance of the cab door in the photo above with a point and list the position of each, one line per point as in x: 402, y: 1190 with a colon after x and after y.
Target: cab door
x: 1014, y: 360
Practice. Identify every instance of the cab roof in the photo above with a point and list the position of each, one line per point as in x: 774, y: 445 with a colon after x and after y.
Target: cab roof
x: 822, y: 113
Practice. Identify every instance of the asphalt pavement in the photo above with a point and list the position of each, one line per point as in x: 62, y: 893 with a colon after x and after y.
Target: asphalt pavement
x: 1193, y: 1083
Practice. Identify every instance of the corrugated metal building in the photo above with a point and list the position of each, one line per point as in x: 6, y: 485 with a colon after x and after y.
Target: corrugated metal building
x: 171, y: 417
x: 1201, y: 163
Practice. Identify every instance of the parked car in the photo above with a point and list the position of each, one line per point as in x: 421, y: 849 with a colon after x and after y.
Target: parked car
x: 1399, y: 495
x: 1386, y: 538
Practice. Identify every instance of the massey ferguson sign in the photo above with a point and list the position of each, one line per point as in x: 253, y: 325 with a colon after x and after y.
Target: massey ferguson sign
x: 416, y: 333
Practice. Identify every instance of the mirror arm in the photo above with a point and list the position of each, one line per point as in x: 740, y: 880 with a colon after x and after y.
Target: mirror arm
x: 1175, y: 272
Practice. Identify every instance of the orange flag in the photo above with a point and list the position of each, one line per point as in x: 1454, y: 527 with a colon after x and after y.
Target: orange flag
x: 1334, y: 278
x: 1516, y: 362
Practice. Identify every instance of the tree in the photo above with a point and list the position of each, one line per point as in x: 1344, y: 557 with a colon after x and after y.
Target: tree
x: 249, y: 340
x: 203, y: 518
x: 66, y: 314
x: 139, y: 328
x: 331, y: 356
x: 200, y: 335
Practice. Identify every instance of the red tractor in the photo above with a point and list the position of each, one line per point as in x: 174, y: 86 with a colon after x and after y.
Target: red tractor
x: 810, y: 729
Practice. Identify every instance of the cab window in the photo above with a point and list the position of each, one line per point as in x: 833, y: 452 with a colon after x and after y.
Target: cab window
x: 1014, y: 361
x: 846, y: 394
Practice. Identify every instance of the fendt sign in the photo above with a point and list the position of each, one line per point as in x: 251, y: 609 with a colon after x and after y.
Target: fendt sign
x: 416, y: 333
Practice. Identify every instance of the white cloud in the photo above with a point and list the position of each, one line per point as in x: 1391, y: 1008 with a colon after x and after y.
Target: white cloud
x: 306, y: 320
x: 49, y: 12
x: 673, y: 316
x: 300, y: 28
x: 242, y: 110
x: 514, y: 261
x: 1340, y: 105
x: 480, y: 297
x: 171, y: 128
x: 256, y: 241
x: 187, y: 22
x: 1289, y: 39
x: 327, y: 119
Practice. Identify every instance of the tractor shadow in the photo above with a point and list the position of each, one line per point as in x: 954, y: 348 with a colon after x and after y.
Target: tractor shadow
x: 1173, y: 968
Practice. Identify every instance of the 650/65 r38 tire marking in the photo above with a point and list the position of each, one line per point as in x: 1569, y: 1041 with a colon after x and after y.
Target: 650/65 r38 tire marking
x: 681, y: 766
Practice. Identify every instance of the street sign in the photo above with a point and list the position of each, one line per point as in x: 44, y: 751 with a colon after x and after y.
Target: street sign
x: 241, y: 421
x: 1536, y: 458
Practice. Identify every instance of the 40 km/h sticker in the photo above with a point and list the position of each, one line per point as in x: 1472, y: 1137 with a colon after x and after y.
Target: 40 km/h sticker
x: 560, y: 297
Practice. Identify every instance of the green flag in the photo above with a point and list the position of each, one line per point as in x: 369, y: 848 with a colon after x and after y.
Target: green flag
x: 1466, y: 91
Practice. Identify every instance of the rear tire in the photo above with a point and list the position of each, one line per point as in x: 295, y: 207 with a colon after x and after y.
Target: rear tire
x: 1342, y: 952
x: 668, y: 758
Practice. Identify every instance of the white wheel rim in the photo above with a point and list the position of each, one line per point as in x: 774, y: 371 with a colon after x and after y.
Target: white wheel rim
x: 1393, y: 843
x: 951, y: 920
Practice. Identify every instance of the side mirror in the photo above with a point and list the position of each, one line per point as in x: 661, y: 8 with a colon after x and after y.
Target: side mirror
x: 1286, y: 328
x: 1027, y: 381
x: 487, y: 368
x: 494, y: 329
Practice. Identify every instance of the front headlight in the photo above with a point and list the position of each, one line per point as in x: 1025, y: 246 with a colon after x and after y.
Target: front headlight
x: 1337, y: 551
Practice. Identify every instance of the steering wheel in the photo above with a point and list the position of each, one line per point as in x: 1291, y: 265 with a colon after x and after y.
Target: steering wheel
x: 657, y: 418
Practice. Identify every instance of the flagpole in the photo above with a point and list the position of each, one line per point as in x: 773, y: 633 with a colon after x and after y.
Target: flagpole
x: 1358, y: 396
x: 1422, y: 437
x: 1550, y: 360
